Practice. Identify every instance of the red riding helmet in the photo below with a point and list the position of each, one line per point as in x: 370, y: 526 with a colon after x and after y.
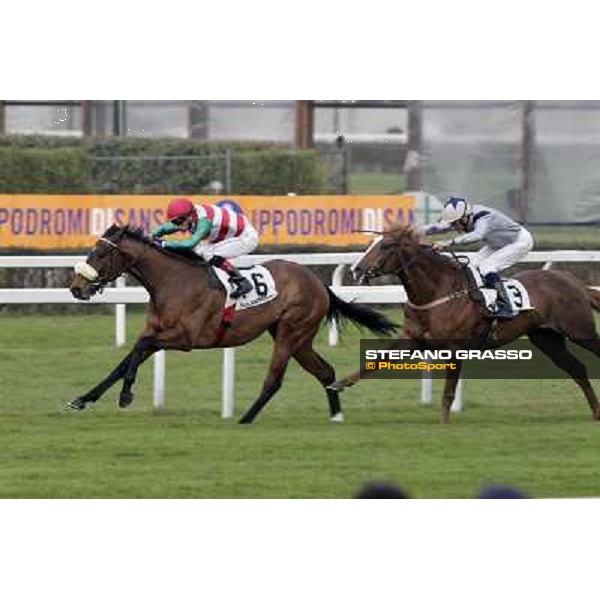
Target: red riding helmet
x: 180, y: 207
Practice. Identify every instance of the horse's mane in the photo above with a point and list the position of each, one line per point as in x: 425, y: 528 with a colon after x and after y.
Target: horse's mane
x: 407, y: 231
x: 442, y: 258
x: 137, y: 233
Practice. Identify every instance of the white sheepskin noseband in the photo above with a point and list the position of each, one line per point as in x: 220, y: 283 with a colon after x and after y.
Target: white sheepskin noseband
x: 85, y: 270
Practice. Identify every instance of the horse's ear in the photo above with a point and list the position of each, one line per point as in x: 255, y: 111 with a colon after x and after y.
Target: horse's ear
x: 390, y: 233
x: 417, y: 233
x: 120, y: 230
x: 112, y: 231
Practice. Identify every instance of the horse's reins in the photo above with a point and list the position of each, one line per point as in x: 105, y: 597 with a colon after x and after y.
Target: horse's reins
x: 375, y: 272
x: 439, y: 301
x: 453, y: 295
x: 101, y: 282
x: 442, y: 300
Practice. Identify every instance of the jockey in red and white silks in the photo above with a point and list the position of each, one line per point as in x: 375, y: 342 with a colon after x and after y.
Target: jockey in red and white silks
x: 230, y: 235
x: 218, y: 233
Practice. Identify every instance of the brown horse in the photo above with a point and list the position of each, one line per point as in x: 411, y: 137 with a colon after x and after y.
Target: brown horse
x: 186, y: 308
x: 440, y: 307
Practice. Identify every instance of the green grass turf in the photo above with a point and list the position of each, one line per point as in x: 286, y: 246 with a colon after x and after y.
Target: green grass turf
x: 535, y: 434
x: 377, y: 183
x: 568, y: 237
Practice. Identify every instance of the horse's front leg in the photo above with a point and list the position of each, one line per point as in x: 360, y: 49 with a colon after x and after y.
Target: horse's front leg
x: 452, y: 377
x: 94, y: 394
x: 173, y: 338
x: 143, y: 349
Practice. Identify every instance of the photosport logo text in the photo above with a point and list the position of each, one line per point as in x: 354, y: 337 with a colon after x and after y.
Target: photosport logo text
x: 402, y: 359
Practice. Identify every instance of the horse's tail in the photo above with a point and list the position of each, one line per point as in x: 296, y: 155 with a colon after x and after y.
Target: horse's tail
x: 594, y: 298
x: 359, y: 314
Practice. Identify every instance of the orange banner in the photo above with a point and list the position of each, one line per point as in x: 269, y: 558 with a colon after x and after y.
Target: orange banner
x: 47, y: 221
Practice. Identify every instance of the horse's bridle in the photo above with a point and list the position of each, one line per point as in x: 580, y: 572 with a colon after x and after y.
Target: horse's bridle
x: 461, y: 262
x: 97, y: 285
x: 376, y: 271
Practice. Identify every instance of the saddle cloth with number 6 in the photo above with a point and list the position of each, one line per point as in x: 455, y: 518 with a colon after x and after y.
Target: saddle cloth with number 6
x: 264, y: 289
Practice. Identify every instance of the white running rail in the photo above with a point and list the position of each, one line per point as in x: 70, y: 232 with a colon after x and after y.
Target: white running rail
x: 121, y: 295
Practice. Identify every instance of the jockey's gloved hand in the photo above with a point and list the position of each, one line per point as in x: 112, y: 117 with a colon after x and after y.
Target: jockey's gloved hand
x: 158, y: 242
x: 439, y: 246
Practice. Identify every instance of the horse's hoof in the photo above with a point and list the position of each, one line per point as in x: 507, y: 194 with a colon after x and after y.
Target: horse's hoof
x: 77, y: 404
x: 339, y: 418
x: 125, y: 399
x: 245, y: 421
x: 336, y: 386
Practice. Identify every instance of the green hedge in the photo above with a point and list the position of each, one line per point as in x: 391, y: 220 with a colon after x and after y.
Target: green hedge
x: 31, y: 170
x: 153, y: 166
x: 278, y: 172
x: 41, y: 141
x: 123, y: 146
x: 171, y: 147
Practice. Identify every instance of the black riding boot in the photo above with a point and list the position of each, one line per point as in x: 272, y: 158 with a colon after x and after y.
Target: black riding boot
x: 493, y: 281
x: 502, y: 301
x: 242, y: 285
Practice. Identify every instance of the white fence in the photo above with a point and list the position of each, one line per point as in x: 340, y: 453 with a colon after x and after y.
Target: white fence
x: 120, y: 296
x: 138, y: 295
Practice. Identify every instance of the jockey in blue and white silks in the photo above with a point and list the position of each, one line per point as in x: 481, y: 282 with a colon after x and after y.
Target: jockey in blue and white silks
x: 504, y: 241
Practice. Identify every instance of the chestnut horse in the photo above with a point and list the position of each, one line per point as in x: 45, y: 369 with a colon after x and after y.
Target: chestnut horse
x: 186, y: 308
x: 440, y: 307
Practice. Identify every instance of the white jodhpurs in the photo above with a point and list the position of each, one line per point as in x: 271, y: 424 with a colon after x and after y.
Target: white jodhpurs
x: 230, y: 247
x: 493, y: 261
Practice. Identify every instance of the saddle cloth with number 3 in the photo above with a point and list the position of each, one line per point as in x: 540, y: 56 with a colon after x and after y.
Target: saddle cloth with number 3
x: 515, y: 291
x: 264, y: 289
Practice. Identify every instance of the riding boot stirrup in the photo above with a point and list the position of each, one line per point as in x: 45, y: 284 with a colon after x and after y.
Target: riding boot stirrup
x: 242, y: 285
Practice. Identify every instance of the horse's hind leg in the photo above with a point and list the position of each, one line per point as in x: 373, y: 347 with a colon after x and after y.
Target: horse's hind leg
x: 94, y: 394
x: 310, y: 360
x: 553, y: 344
x: 363, y: 373
x: 279, y: 362
x: 452, y: 378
